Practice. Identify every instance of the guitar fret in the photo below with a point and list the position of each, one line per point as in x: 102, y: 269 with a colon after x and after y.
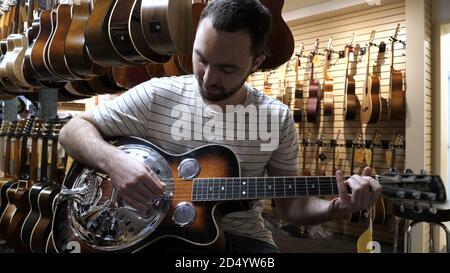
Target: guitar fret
x: 222, y: 189
x: 203, y: 190
x: 195, y: 191
x: 217, y: 189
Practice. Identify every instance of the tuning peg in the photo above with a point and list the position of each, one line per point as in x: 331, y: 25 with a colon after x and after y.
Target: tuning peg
x: 393, y: 171
x: 408, y: 171
x: 423, y: 172
x: 416, y: 209
x: 432, y: 209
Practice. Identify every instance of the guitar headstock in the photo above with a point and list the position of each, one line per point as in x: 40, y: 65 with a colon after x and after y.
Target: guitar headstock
x: 397, y: 30
x: 35, y: 130
x: 312, y: 55
x: 413, y: 189
x: 398, y: 141
x: 329, y: 49
x: 372, y: 37
x: 4, y: 128
x: 359, y: 140
x: 298, y: 61
x: 333, y: 142
x: 376, y: 139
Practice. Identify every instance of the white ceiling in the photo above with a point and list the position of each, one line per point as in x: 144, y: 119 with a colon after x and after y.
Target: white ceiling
x: 290, y: 5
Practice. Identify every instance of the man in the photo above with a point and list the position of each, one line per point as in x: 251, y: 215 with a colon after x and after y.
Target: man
x: 173, y: 113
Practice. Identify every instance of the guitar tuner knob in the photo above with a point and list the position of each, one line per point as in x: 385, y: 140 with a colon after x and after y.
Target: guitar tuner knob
x: 416, y: 209
x: 393, y: 171
x: 423, y: 172
x: 432, y: 209
x: 408, y: 171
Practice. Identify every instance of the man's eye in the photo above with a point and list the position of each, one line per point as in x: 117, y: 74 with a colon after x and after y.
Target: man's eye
x: 228, y: 70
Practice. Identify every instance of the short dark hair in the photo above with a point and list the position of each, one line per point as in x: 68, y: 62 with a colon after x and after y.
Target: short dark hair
x: 241, y: 15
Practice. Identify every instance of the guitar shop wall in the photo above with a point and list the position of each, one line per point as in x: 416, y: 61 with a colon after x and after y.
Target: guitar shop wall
x: 383, y: 20
x: 335, y: 140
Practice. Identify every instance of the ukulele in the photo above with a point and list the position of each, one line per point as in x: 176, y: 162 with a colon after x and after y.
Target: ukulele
x: 350, y: 99
x: 313, y: 111
x: 89, y: 212
x: 328, y: 98
x: 396, y: 95
x: 371, y: 104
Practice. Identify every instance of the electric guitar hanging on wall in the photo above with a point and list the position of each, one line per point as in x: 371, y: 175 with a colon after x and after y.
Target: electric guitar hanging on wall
x: 88, y: 211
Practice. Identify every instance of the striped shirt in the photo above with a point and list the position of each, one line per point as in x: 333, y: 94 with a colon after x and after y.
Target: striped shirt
x: 170, y: 113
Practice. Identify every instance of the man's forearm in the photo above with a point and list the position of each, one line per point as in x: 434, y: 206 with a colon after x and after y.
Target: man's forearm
x: 85, y: 144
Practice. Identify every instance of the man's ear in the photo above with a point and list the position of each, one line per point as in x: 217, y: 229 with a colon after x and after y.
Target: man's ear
x: 258, y: 61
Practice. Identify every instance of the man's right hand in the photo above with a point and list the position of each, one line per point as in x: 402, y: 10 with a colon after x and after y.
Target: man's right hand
x: 136, y: 184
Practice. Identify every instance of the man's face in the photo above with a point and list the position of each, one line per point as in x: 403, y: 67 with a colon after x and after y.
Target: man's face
x: 222, y: 61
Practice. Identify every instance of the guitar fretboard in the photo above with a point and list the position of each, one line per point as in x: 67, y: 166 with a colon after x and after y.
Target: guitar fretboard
x: 246, y: 188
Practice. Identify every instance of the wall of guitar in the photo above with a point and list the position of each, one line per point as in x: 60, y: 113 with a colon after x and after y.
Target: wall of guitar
x: 367, y: 33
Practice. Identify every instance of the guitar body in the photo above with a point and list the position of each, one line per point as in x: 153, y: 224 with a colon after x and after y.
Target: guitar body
x: 126, y: 34
x: 33, y: 215
x: 167, y: 26
x: 350, y: 99
x: 9, y: 210
x: 56, y: 47
x: 313, y: 110
x: 280, y: 45
x: 8, y: 59
x: 396, y: 97
x: 4, y: 186
x: 20, y: 201
x: 98, y: 42
x: 128, y: 77
x: 19, y: 44
x: 76, y: 53
x: 328, y: 98
x: 371, y: 105
x: 204, y: 231
x: 27, y: 68
x: 47, y: 21
x: 42, y: 228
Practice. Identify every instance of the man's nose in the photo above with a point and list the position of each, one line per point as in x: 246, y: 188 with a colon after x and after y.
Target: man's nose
x: 210, y: 76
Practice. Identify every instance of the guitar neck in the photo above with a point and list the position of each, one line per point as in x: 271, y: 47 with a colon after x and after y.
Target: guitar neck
x: 247, y: 188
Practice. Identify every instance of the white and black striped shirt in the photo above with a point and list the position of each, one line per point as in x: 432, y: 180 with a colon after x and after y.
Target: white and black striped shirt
x: 170, y: 113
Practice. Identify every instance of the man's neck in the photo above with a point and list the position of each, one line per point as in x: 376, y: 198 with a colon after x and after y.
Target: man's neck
x: 237, y: 98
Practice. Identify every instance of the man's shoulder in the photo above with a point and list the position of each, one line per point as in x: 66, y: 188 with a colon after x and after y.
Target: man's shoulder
x: 172, y: 82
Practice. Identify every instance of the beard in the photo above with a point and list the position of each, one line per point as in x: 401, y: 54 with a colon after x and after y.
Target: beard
x: 218, y: 93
